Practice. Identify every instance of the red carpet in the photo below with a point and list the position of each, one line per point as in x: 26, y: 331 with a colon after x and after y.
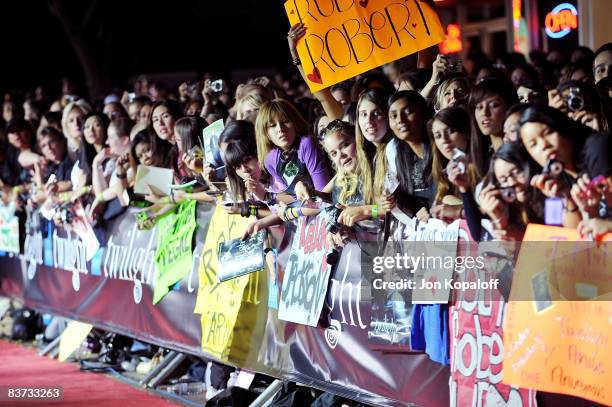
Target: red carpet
x: 21, y: 366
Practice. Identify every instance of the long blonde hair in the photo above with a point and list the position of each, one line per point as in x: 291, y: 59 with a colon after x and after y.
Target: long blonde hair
x: 368, y: 153
x: 347, y: 182
x: 80, y: 104
x: 277, y: 109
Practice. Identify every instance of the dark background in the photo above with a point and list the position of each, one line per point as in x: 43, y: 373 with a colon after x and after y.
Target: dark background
x: 130, y: 37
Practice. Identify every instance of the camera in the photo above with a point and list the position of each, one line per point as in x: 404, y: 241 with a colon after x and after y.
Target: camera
x: 460, y: 158
x: 216, y: 86
x: 575, y: 101
x: 508, y: 194
x: 131, y: 97
x: 553, y: 168
x: 332, y: 225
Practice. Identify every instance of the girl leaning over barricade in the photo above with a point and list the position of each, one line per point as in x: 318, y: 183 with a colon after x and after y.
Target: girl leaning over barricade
x: 409, y: 154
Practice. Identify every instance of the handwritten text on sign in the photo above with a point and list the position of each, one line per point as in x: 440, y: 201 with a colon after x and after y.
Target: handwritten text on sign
x: 553, y: 345
x: 307, y: 273
x: 347, y: 37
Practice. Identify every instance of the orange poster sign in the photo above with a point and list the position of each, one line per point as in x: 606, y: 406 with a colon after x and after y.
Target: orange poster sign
x: 554, y: 340
x: 347, y: 37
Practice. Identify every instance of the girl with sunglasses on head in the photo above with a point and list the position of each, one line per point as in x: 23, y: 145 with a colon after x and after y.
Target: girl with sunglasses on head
x: 288, y: 152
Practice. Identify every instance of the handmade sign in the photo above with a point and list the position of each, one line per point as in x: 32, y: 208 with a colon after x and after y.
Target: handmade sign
x: 307, y: 273
x: 222, y: 304
x: 9, y: 230
x: 347, y: 37
x: 475, y: 321
x: 173, y: 256
x: 210, y: 137
x: 238, y: 257
x: 153, y: 180
x: 437, y: 264
x: 554, y: 342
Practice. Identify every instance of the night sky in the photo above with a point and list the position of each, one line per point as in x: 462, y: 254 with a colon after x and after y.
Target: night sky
x: 139, y: 36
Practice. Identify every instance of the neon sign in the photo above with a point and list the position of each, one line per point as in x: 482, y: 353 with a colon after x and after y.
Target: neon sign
x: 561, y: 20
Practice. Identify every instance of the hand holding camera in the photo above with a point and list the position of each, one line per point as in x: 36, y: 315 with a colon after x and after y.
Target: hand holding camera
x: 549, y: 181
x: 492, y: 204
x: 456, y: 170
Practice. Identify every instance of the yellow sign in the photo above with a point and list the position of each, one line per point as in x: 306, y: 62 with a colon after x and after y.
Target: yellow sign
x: 347, y: 37
x: 72, y: 337
x: 221, y: 303
x: 553, y: 341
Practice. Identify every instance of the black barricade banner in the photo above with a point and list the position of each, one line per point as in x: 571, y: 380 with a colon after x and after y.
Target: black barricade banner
x: 114, y: 291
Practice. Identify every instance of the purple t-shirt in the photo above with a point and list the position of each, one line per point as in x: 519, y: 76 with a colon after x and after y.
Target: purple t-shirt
x: 309, y: 155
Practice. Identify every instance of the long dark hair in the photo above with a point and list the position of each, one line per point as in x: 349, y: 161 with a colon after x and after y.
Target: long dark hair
x: 241, y: 145
x: 87, y: 152
x: 457, y: 119
x: 144, y: 136
x: 406, y: 158
x: 159, y: 145
x: 532, y: 211
x: 190, y: 130
x: 479, y: 143
x: 558, y: 121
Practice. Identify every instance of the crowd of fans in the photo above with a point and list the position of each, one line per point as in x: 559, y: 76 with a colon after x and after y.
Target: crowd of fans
x: 468, y: 139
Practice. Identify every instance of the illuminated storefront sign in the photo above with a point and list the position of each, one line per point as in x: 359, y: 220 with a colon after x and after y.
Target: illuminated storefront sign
x: 561, y: 20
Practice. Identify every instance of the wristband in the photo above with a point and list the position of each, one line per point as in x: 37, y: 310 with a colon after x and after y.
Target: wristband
x: 299, y: 211
x: 374, y: 211
x: 100, y: 197
x: 86, y: 190
x: 252, y: 210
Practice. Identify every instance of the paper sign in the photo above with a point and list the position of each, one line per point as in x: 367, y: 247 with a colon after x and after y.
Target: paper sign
x: 433, y: 279
x: 210, y: 137
x: 347, y: 37
x: 173, y: 256
x: 551, y: 344
x: 9, y: 234
x: 83, y: 229
x: 238, y: 257
x: 222, y: 304
x: 72, y: 337
x: 307, y: 273
x: 477, y: 350
x: 147, y: 177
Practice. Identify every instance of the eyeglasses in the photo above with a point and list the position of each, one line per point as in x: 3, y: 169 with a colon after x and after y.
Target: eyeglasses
x: 334, y: 126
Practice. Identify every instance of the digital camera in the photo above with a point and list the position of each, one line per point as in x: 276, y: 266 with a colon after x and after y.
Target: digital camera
x: 508, y: 194
x: 332, y: 221
x: 553, y: 168
x: 216, y: 86
x: 575, y: 101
